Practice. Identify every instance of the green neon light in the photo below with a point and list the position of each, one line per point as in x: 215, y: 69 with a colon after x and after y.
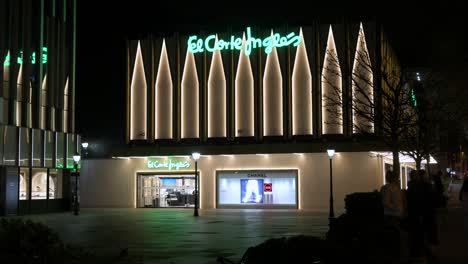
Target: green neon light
x: 168, y: 164
x: 413, y: 96
x: 197, y: 45
x: 19, y: 60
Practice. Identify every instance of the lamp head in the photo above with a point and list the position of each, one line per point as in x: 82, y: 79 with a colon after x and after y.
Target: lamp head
x: 330, y: 153
x: 196, y: 155
x: 85, y: 145
x: 76, y: 158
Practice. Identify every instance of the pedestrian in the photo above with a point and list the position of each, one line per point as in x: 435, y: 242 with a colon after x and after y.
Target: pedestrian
x: 394, y: 204
x: 392, y: 199
x: 422, y: 215
x: 441, y: 199
x: 464, y: 201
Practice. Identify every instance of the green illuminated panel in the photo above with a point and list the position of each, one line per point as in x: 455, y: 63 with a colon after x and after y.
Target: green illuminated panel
x: 168, y: 164
x: 197, y: 45
x: 413, y: 96
x: 19, y: 60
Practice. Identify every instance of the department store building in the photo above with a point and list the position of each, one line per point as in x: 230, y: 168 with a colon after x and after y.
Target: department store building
x: 252, y: 102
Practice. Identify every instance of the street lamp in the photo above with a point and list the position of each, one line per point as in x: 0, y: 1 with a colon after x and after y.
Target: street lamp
x: 85, y: 146
x: 196, y: 157
x: 76, y: 208
x: 331, y: 214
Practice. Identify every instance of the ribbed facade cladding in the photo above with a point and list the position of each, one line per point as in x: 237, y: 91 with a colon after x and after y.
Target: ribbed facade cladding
x: 274, y: 93
x: 37, y: 82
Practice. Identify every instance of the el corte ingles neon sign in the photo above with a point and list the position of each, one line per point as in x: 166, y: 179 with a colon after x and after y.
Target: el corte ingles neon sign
x: 196, y: 44
x: 168, y: 164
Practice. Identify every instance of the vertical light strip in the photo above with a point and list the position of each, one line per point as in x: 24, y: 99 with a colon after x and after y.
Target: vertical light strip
x: 189, y: 101
x: 138, y: 99
x: 19, y: 95
x: 363, y: 85
x: 65, y: 107
x: 216, y: 96
x: 6, y: 84
x: 163, y: 97
x: 244, y: 91
x: 44, y: 102
x: 6, y: 71
x: 332, y: 112
x: 272, y: 96
x: 30, y: 105
x: 302, y: 92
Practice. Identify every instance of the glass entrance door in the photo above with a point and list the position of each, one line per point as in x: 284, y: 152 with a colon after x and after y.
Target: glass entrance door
x: 166, y: 191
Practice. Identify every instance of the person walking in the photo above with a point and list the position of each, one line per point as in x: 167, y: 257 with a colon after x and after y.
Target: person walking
x: 441, y: 199
x: 464, y: 201
x: 394, y: 205
x: 392, y: 199
x: 421, y: 200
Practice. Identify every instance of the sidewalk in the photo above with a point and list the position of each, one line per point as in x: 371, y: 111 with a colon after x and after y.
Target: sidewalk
x: 453, y: 246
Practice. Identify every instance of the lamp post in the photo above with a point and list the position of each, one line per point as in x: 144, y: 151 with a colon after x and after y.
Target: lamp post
x: 85, y: 146
x: 76, y: 208
x: 331, y: 214
x: 196, y: 157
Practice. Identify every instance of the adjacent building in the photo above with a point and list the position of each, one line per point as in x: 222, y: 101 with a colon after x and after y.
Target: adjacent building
x: 37, y: 109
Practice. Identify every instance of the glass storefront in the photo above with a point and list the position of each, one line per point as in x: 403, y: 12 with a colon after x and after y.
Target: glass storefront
x: 166, y: 191
x: 24, y: 184
x: 55, y: 184
x: 257, y: 189
x: 39, y: 184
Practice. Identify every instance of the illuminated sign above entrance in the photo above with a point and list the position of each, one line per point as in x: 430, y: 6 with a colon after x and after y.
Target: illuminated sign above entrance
x: 19, y: 60
x: 197, y: 45
x: 168, y: 164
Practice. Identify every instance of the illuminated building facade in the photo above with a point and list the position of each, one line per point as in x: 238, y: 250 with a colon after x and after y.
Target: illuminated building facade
x: 252, y: 101
x: 37, y: 95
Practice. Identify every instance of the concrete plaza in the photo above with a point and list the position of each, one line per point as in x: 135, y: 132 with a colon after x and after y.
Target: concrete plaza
x: 175, y: 236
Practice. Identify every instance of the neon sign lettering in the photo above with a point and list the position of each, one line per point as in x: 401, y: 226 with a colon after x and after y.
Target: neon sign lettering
x: 197, y: 45
x: 167, y: 164
x: 19, y: 60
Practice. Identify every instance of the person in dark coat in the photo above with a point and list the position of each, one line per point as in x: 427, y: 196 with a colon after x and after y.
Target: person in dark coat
x: 421, y: 214
x: 464, y: 201
x: 441, y: 200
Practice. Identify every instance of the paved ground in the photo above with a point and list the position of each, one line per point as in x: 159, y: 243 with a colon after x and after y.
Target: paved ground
x: 453, y: 248
x: 175, y: 236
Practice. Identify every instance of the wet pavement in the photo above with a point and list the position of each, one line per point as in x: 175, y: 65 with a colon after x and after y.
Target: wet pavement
x: 175, y: 236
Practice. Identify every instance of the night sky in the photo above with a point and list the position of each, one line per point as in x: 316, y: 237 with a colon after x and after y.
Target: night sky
x: 431, y: 37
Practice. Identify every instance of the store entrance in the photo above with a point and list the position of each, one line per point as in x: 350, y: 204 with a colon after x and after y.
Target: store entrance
x: 156, y: 191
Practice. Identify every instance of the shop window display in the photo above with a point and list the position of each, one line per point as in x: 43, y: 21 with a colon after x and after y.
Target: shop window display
x: 24, y: 184
x: 55, y: 184
x: 264, y: 189
x: 166, y: 191
x: 39, y: 185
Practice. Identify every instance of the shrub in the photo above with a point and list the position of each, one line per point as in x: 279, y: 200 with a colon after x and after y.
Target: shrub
x: 297, y: 249
x: 364, y: 204
x: 25, y: 241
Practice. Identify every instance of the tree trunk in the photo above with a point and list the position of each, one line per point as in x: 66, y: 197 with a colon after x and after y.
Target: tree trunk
x: 418, y: 163
x: 396, y: 163
x: 428, y: 169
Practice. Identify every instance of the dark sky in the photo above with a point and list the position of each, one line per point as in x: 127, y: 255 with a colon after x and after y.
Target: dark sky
x: 428, y: 36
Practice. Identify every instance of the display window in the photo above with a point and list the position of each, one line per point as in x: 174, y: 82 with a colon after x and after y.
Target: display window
x: 39, y: 184
x: 166, y: 191
x: 24, y: 184
x: 257, y: 189
x: 55, y: 184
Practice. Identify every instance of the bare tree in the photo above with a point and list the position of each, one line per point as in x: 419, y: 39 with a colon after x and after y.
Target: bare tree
x: 436, y: 112
x: 384, y: 108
